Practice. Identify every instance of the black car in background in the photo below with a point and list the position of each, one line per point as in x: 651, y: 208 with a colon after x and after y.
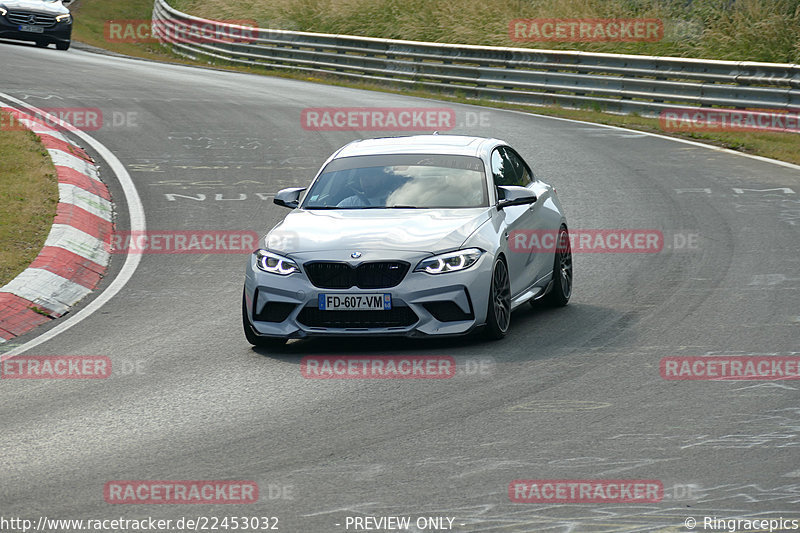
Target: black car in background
x: 40, y: 21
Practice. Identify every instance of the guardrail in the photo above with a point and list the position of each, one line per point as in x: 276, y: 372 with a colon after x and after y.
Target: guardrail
x: 611, y: 82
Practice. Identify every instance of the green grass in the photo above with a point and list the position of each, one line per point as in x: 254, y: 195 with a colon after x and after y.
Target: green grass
x: 91, y: 17
x: 28, y: 198
x: 92, y: 14
x: 755, y: 30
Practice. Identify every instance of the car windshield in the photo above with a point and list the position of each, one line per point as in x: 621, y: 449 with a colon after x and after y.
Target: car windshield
x: 400, y: 181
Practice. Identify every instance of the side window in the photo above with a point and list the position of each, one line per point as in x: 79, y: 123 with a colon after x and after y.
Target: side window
x: 523, y: 174
x: 501, y: 171
x: 504, y: 168
x: 508, y: 168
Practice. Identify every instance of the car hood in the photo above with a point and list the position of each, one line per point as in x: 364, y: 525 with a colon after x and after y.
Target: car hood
x: 50, y: 8
x: 423, y: 230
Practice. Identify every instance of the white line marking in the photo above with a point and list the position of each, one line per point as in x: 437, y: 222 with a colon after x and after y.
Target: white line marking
x: 137, y: 223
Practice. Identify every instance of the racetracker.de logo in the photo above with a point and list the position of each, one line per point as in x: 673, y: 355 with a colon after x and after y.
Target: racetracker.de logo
x: 389, y: 367
x: 632, y: 241
x: 730, y: 368
x: 586, y: 30
x: 55, y: 367
x: 70, y: 118
x: 181, y: 242
x: 586, y: 491
x: 180, y: 492
x: 196, y: 32
x: 693, y: 119
x: 378, y: 118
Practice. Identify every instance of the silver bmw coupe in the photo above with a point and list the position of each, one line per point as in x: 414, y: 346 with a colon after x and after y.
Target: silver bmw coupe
x: 408, y: 236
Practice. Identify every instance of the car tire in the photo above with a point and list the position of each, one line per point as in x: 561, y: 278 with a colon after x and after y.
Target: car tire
x: 562, y: 271
x: 498, y: 315
x: 63, y: 46
x: 255, y: 339
x: 42, y: 44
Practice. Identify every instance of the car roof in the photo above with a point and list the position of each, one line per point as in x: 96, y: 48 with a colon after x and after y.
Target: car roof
x: 418, y: 144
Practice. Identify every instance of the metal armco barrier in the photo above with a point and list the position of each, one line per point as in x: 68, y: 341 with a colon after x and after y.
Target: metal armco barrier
x: 610, y: 82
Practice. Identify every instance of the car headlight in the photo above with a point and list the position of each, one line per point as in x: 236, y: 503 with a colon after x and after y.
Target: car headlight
x: 450, y: 262
x: 64, y: 18
x: 275, y: 264
x: 3, y: 11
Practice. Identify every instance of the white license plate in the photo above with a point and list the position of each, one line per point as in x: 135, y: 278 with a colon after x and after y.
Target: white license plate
x: 355, y: 302
x: 31, y: 29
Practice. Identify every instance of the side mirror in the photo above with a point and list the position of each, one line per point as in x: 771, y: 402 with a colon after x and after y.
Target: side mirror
x: 289, y: 197
x: 514, y: 195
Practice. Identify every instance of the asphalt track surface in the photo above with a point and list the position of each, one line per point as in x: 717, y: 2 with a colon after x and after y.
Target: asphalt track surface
x: 573, y: 393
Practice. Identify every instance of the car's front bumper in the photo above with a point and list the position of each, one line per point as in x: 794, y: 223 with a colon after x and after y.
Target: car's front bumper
x: 61, y: 32
x: 423, y: 304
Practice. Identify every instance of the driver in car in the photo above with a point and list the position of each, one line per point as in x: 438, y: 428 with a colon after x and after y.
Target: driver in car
x: 372, y: 193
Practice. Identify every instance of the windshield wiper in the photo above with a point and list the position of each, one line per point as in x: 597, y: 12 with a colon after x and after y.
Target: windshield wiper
x: 346, y: 208
x: 382, y: 207
x: 351, y: 208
